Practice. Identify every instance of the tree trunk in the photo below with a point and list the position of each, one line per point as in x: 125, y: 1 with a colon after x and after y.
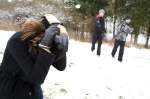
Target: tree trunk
x: 147, y: 38
x: 135, y: 39
x: 114, y: 26
x: 115, y: 17
x: 137, y: 30
x: 82, y: 28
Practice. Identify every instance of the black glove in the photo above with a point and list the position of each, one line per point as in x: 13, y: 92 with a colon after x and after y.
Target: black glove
x: 49, y: 36
x: 61, y: 41
x: 59, y: 53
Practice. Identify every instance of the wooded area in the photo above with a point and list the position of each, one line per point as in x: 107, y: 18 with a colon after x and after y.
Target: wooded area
x: 79, y: 21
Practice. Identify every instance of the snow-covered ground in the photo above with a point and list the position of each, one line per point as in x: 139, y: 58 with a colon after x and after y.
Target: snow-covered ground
x: 89, y: 76
x: 4, y: 36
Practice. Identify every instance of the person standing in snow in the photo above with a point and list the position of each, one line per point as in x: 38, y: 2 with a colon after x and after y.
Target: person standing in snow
x: 99, y: 31
x: 28, y: 57
x: 123, y: 30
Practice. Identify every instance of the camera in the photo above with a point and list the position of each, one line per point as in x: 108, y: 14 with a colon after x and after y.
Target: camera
x: 60, y: 39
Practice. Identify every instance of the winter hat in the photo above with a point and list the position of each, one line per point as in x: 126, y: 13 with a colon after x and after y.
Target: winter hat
x: 51, y: 18
x: 101, y: 12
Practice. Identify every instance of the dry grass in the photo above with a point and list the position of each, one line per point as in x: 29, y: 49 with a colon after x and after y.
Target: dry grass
x: 9, y: 26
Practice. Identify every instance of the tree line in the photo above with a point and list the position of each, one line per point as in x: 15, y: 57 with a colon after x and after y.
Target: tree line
x: 139, y: 10
x: 80, y: 20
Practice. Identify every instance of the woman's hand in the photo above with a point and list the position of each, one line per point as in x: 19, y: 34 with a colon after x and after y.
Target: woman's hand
x: 49, y: 36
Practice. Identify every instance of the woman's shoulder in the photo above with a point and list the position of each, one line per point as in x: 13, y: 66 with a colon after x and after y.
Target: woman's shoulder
x: 16, y: 37
x: 15, y: 42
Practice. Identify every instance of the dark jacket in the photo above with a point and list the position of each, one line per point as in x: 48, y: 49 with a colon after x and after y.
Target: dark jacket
x: 21, y: 72
x: 99, y: 25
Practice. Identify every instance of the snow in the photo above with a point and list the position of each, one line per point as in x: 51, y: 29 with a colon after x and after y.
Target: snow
x: 4, y: 36
x: 89, y: 76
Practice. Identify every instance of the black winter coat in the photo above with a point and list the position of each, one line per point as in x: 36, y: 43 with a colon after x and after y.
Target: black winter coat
x: 21, y: 73
x: 99, y: 25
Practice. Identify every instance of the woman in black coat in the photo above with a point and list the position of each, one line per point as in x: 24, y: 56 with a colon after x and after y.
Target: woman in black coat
x: 99, y: 31
x: 25, y: 64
